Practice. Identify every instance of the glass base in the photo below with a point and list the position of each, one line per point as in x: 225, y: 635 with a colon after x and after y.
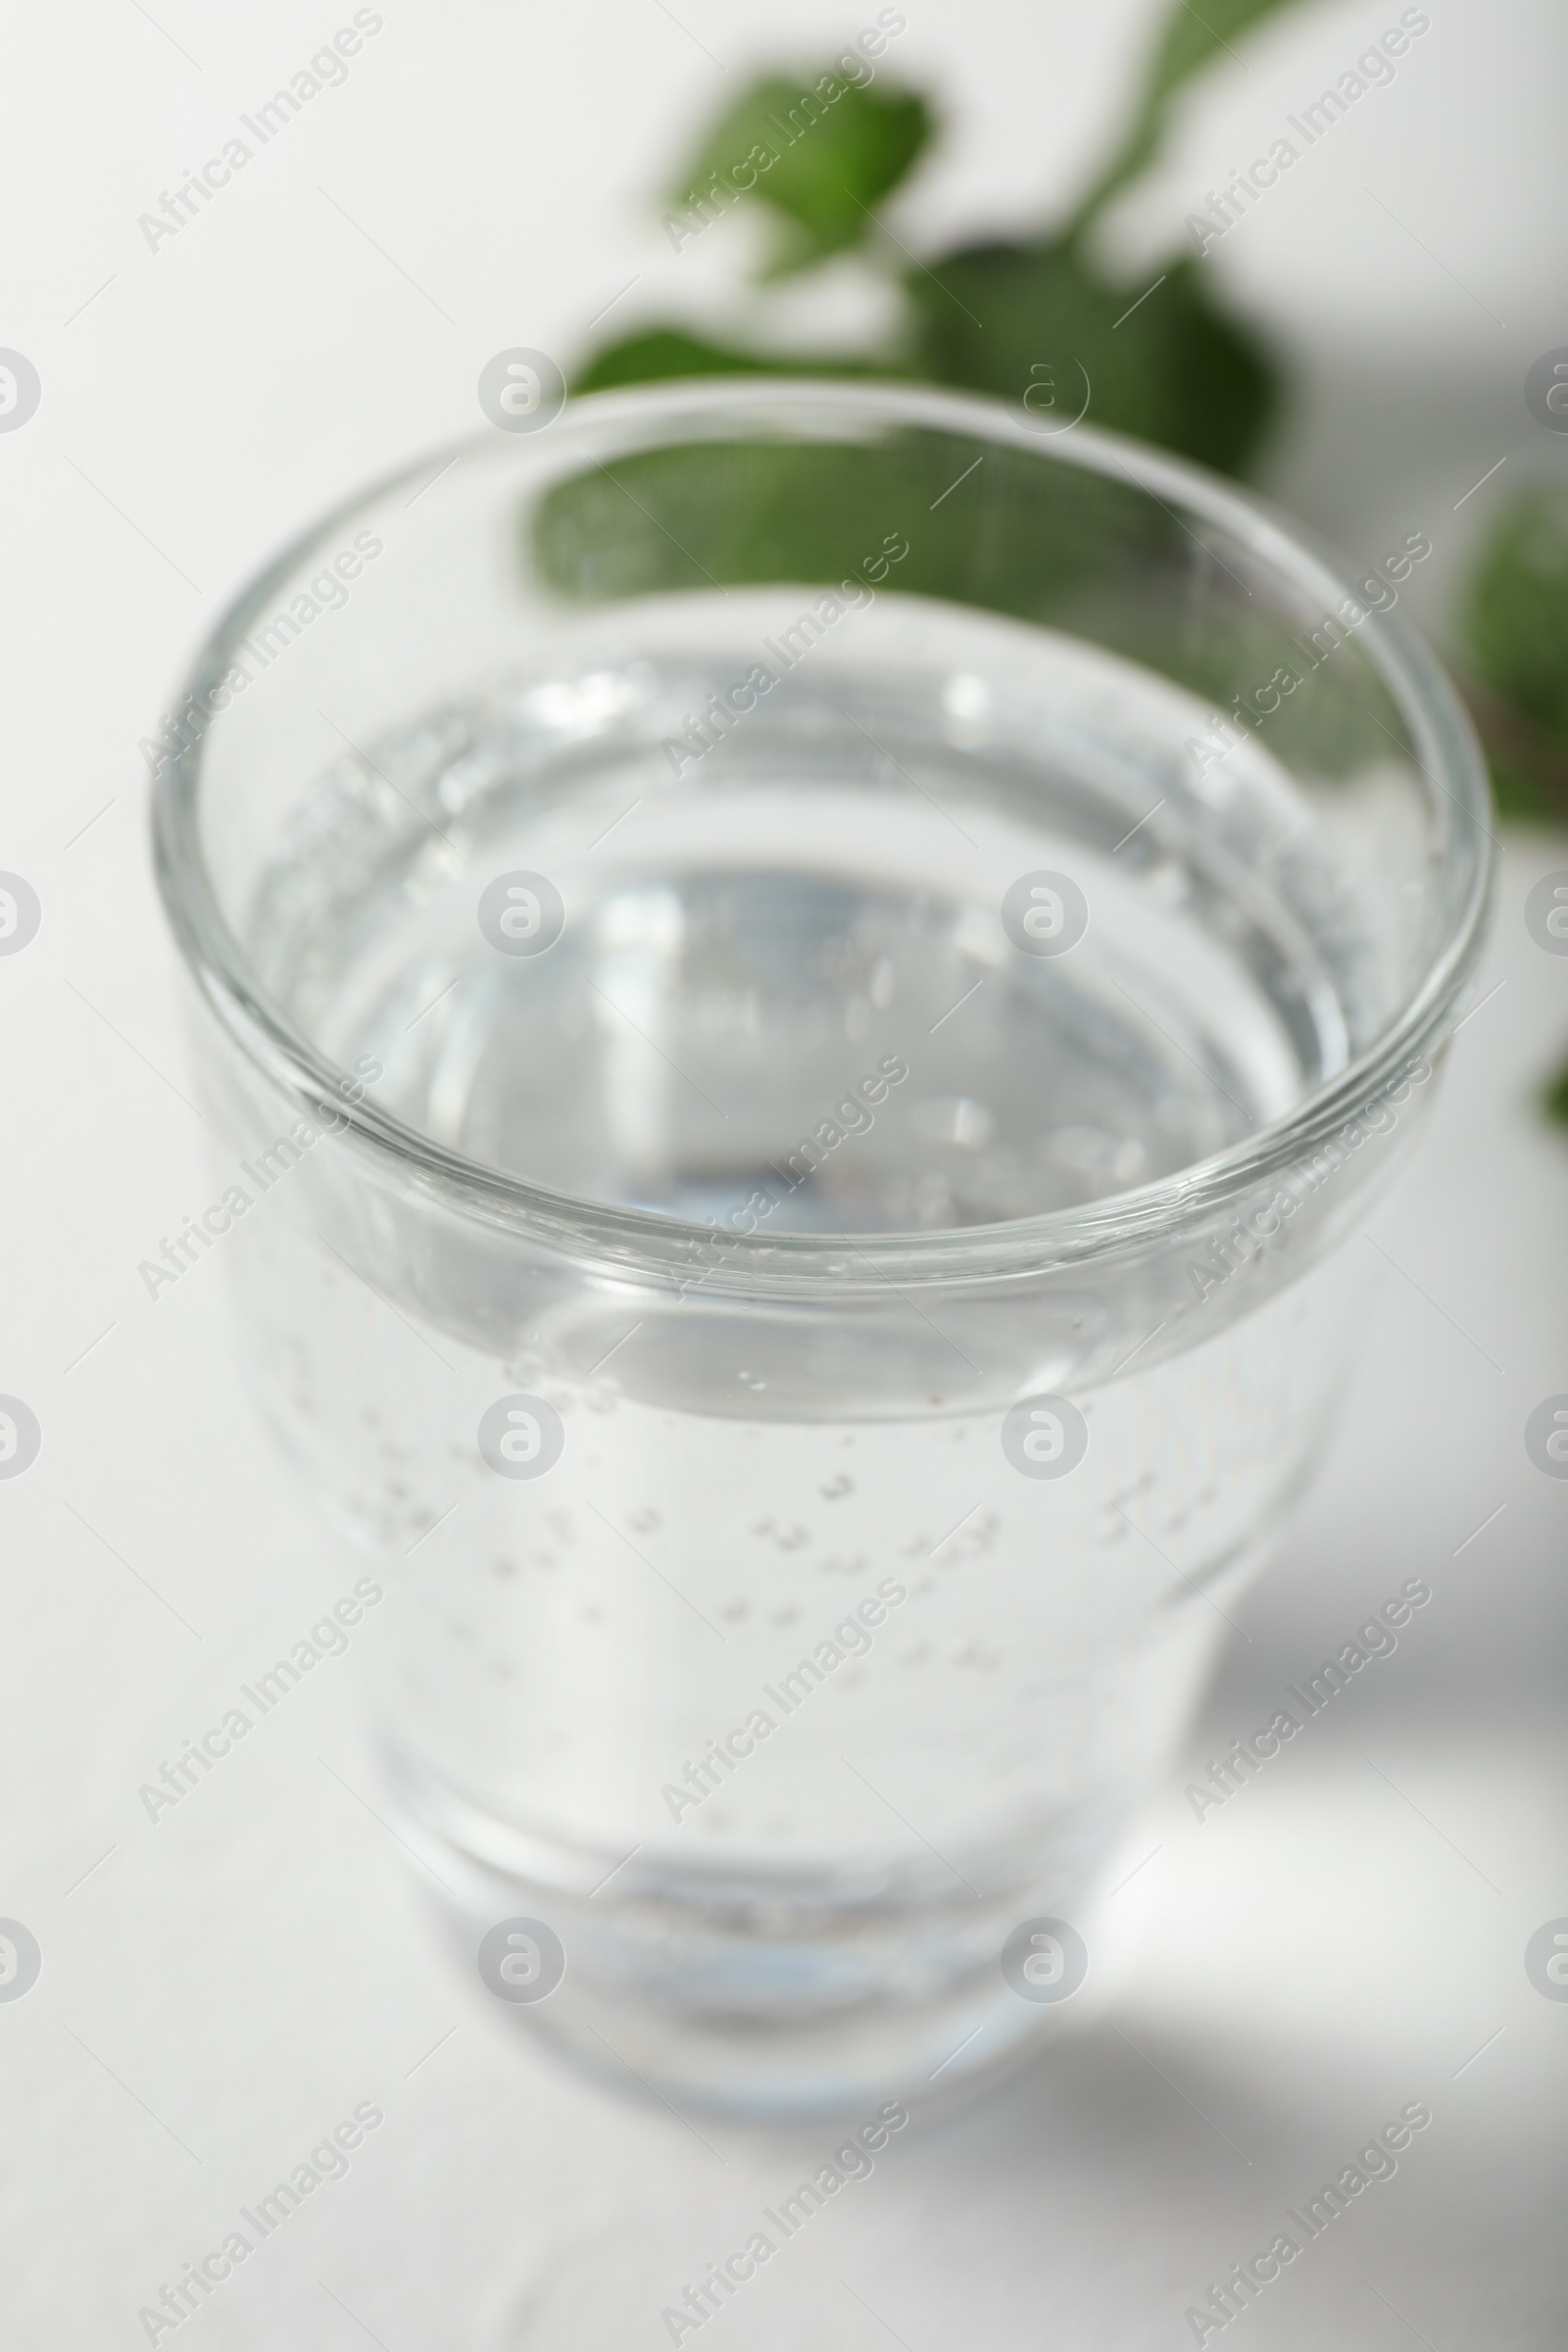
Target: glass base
x: 768, y: 2002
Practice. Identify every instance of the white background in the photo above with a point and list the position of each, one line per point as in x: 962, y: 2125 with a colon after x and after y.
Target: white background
x: 222, y: 1988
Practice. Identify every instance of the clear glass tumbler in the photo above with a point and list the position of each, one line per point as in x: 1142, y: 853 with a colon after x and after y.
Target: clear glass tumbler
x: 802, y: 987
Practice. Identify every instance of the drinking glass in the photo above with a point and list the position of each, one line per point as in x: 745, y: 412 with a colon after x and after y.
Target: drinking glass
x: 805, y: 989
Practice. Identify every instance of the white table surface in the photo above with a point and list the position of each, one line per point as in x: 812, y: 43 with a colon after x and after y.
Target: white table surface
x: 218, y: 1989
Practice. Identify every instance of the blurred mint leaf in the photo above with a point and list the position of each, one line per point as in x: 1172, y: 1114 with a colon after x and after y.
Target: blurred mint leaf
x: 911, y: 512
x: 1165, y: 366
x: 660, y: 353
x: 822, y: 152
x: 1518, y: 609
x: 1516, y: 628
x: 1516, y: 631
x: 1010, y: 536
x: 1189, y: 42
x: 1528, y: 785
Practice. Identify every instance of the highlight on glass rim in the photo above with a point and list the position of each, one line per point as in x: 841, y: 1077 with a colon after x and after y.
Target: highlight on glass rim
x: 784, y: 938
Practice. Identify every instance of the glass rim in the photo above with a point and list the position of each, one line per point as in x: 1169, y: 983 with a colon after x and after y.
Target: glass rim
x: 1444, y: 749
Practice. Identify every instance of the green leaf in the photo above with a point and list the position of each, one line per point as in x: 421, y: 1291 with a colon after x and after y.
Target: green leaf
x: 1527, y: 791
x: 661, y: 353
x: 1189, y: 42
x: 1554, y: 1099
x: 1516, y: 631
x: 1517, y: 612
x: 1166, y: 365
x: 822, y: 152
x: 1019, y: 321
x: 1034, y: 540
x: 1013, y: 535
